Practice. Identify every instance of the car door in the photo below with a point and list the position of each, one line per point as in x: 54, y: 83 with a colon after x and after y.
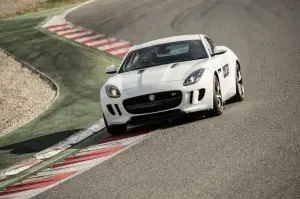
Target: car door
x: 221, y: 66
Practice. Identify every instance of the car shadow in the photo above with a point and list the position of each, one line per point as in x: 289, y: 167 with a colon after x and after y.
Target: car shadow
x: 38, y: 144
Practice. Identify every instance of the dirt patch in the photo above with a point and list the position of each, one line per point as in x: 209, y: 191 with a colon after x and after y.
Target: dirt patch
x: 23, y: 94
x: 10, y: 8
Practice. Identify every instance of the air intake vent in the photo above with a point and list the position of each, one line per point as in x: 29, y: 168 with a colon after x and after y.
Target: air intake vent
x: 191, y: 97
x: 201, y: 94
x: 118, y: 110
x: 110, y: 109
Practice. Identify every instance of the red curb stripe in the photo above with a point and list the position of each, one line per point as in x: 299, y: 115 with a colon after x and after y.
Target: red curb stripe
x: 64, y: 29
x: 92, y: 40
x: 89, y: 153
x: 119, y: 137
x: 30, y: 186
x: 72, y: 33
x: 105, y: 44
x: 55, y: 26
x: 49, y: 178
x: 82, y: 36
x: 81, y: 159
x: 122, y: 54
x: 117, y: 48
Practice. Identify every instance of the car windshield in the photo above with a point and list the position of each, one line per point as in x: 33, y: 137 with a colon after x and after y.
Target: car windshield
x: 163, y: 54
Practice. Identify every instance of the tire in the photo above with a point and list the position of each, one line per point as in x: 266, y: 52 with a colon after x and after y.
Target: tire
x: 240, y: 91
x: 115, y: 129
x: 217, y: 99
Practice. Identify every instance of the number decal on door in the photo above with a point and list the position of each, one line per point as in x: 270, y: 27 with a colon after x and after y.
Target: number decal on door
x: 226, y: 70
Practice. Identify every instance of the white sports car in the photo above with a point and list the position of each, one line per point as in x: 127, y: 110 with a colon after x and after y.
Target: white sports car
x: 169, y: 77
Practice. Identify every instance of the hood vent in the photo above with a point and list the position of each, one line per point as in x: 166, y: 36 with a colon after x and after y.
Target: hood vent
x: 174, y: 65
x: 141, y: 71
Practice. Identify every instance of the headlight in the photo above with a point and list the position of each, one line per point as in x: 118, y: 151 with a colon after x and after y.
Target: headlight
x: 112, y: 91
x: 193, y: 77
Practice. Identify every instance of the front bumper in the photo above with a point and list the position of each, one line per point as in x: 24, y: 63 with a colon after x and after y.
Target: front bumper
x: 196, y: 97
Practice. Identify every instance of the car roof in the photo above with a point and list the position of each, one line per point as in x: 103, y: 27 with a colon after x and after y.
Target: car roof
x: 167, y: 40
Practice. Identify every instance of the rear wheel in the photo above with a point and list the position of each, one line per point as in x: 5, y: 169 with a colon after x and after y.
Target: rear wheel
x: 217, y: 99
x: 115, y: 129
x: 239, y: 96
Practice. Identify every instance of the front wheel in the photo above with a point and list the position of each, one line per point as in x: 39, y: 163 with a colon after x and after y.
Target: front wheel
x: 115, y: 129
x: 217, y: 99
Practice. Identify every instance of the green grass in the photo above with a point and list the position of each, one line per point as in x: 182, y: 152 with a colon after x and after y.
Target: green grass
x: 78, y: 71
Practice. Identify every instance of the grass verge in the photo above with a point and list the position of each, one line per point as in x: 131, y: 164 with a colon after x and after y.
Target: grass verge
x: 77, y: 70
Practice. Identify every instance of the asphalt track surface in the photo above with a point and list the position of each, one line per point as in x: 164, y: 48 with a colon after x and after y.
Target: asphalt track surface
x: 252, y: 150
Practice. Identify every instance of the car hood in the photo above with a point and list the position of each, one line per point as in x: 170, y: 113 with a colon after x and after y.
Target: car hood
x: 156, y: 74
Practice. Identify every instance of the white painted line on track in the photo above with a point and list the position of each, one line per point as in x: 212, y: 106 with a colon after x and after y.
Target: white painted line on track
x: 76, y: 7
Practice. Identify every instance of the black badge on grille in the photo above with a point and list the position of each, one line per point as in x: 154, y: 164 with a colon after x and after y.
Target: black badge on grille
x: 151, y: 97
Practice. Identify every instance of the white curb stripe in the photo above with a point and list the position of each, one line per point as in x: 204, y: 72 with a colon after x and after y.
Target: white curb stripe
x: 122, y: 142
x: 78, y: 34
x: 123, y: 50
x: 97, y: 42
x: 61, y: 171
x: 112, y: 45
x: 59, y: 19
x: 89, y: 38
x: 65, y: 28
x: 68, y: 31
x: 59, y: 28
x: 78, y: 164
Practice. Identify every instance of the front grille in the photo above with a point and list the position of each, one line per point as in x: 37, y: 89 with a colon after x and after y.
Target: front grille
x: 162, y: 101
x: 153, y: 117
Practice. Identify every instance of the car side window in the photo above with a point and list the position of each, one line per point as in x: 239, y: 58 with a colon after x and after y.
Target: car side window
x: 210, y: 44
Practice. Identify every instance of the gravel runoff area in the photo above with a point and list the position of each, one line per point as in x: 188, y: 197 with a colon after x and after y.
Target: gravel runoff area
x: 11, y: 7
x: 23, y: 94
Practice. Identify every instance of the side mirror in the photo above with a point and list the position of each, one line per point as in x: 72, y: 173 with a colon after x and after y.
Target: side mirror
x: 111, y: 69
x: 219, y: 50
